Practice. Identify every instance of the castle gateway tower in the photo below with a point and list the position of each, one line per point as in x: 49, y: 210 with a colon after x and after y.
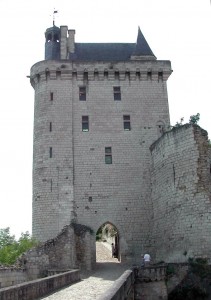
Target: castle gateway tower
x: 98, y: 108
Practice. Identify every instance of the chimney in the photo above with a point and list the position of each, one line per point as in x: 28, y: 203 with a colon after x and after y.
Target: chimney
x: 71, y: 40
x: 63, y: 42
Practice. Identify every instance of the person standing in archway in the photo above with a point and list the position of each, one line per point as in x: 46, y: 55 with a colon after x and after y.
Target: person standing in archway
x: 112, y: 249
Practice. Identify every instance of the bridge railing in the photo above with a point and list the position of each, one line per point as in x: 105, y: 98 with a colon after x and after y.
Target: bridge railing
x: 123, y: 288
x: 39, y: 287
x: 150, y: 273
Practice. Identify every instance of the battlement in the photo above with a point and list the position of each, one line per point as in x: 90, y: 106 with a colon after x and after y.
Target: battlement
x: 142, y: 71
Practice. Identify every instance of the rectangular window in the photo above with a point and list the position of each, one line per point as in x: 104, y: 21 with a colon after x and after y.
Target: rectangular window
x: 108, y: 155
x: 51, y: 96
x: 82, y: 93
x: 117, y: 93
x: 50, y: 127
x: 126, y: 122
x: 85, y: 123
x: 51, y: 152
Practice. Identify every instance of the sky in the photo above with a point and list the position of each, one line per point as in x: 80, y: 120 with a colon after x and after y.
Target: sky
x: 176, y: 30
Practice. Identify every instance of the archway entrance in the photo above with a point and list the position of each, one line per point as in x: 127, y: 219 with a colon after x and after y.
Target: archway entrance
x: 107, y: 243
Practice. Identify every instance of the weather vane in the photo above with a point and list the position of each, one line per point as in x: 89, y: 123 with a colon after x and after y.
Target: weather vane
x: 54, y: 12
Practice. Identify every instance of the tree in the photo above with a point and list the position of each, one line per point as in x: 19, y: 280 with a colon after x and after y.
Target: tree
x: 10, y: 249
x: 5, y: 237
x: 194, y: 119
x: 178, y: 124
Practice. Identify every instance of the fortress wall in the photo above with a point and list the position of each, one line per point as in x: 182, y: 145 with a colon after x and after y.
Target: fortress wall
x: 11, y: 276
x: 181, y: 194
x: 76, y: 182
x: 52, y: 161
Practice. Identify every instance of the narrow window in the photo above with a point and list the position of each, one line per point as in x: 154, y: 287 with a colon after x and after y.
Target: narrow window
x: 51, y: 185
x: 126, y: 122
x: 51, y: 96
x: 108, y: 155
x: 85, y: 123
x: 117, y: 93
x: 50, y: 126
x: 50, y: 152
x: 82, y: 93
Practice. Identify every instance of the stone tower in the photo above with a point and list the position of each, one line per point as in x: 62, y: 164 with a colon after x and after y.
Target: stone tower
x: 98, y: 108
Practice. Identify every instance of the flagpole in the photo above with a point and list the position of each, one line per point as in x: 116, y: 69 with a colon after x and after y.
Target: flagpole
x: 54, y: 12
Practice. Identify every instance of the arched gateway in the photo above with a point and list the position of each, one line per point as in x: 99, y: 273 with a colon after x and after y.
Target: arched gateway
x: 95, y: 116
x: 109, y: 236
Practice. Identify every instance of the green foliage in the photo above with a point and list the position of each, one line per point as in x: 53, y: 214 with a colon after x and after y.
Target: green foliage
x: 179, y: 124
x: 194, y: 119
x: 199, y: 266
x: 196, y: 284
x: 5, y: 237
x: 98, y: 237
x: 10, y: 249
x: 170, y: 270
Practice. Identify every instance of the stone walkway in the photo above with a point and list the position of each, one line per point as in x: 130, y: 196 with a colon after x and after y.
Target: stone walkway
x: 91, y: 286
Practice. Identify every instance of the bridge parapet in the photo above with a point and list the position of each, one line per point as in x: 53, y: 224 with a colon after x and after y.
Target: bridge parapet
x: 150, y: 273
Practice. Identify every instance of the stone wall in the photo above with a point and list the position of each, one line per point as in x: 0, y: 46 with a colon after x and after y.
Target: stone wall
x: 38, y: 288
x: 11, y: 275
x: 75, y: 183
x: 69, y: 250
x: 123, y: 288
x: 139, y: 284
x: 181, y: 194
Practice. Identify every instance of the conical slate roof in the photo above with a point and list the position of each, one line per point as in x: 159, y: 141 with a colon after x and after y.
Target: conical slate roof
x: 142, y: 48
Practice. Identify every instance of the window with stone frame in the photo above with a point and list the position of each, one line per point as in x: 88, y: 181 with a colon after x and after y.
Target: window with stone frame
x: 82, y: 93
x: 85, y: 123
x: 126, y: 122
x: 117, y: 93
x: 108, y: 155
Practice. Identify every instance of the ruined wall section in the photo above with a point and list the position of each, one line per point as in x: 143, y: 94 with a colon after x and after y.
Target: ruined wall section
x: 70, y: 249
x: 181, y: 194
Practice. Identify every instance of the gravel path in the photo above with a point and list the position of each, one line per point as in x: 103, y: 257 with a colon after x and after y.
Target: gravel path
x: 91, y: 286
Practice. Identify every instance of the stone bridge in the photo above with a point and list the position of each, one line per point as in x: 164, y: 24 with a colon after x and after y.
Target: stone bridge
x: 104, y: 284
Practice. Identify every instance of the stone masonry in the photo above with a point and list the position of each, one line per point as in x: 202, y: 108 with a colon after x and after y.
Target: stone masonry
x: 99, y: 110
x: 181, y: 194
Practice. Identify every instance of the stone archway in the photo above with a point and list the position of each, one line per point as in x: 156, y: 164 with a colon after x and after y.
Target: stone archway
x: 107, y: 234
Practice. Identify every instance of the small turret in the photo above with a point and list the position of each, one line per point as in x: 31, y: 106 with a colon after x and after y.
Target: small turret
x: 52, y: 43
x: 142, y: 50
